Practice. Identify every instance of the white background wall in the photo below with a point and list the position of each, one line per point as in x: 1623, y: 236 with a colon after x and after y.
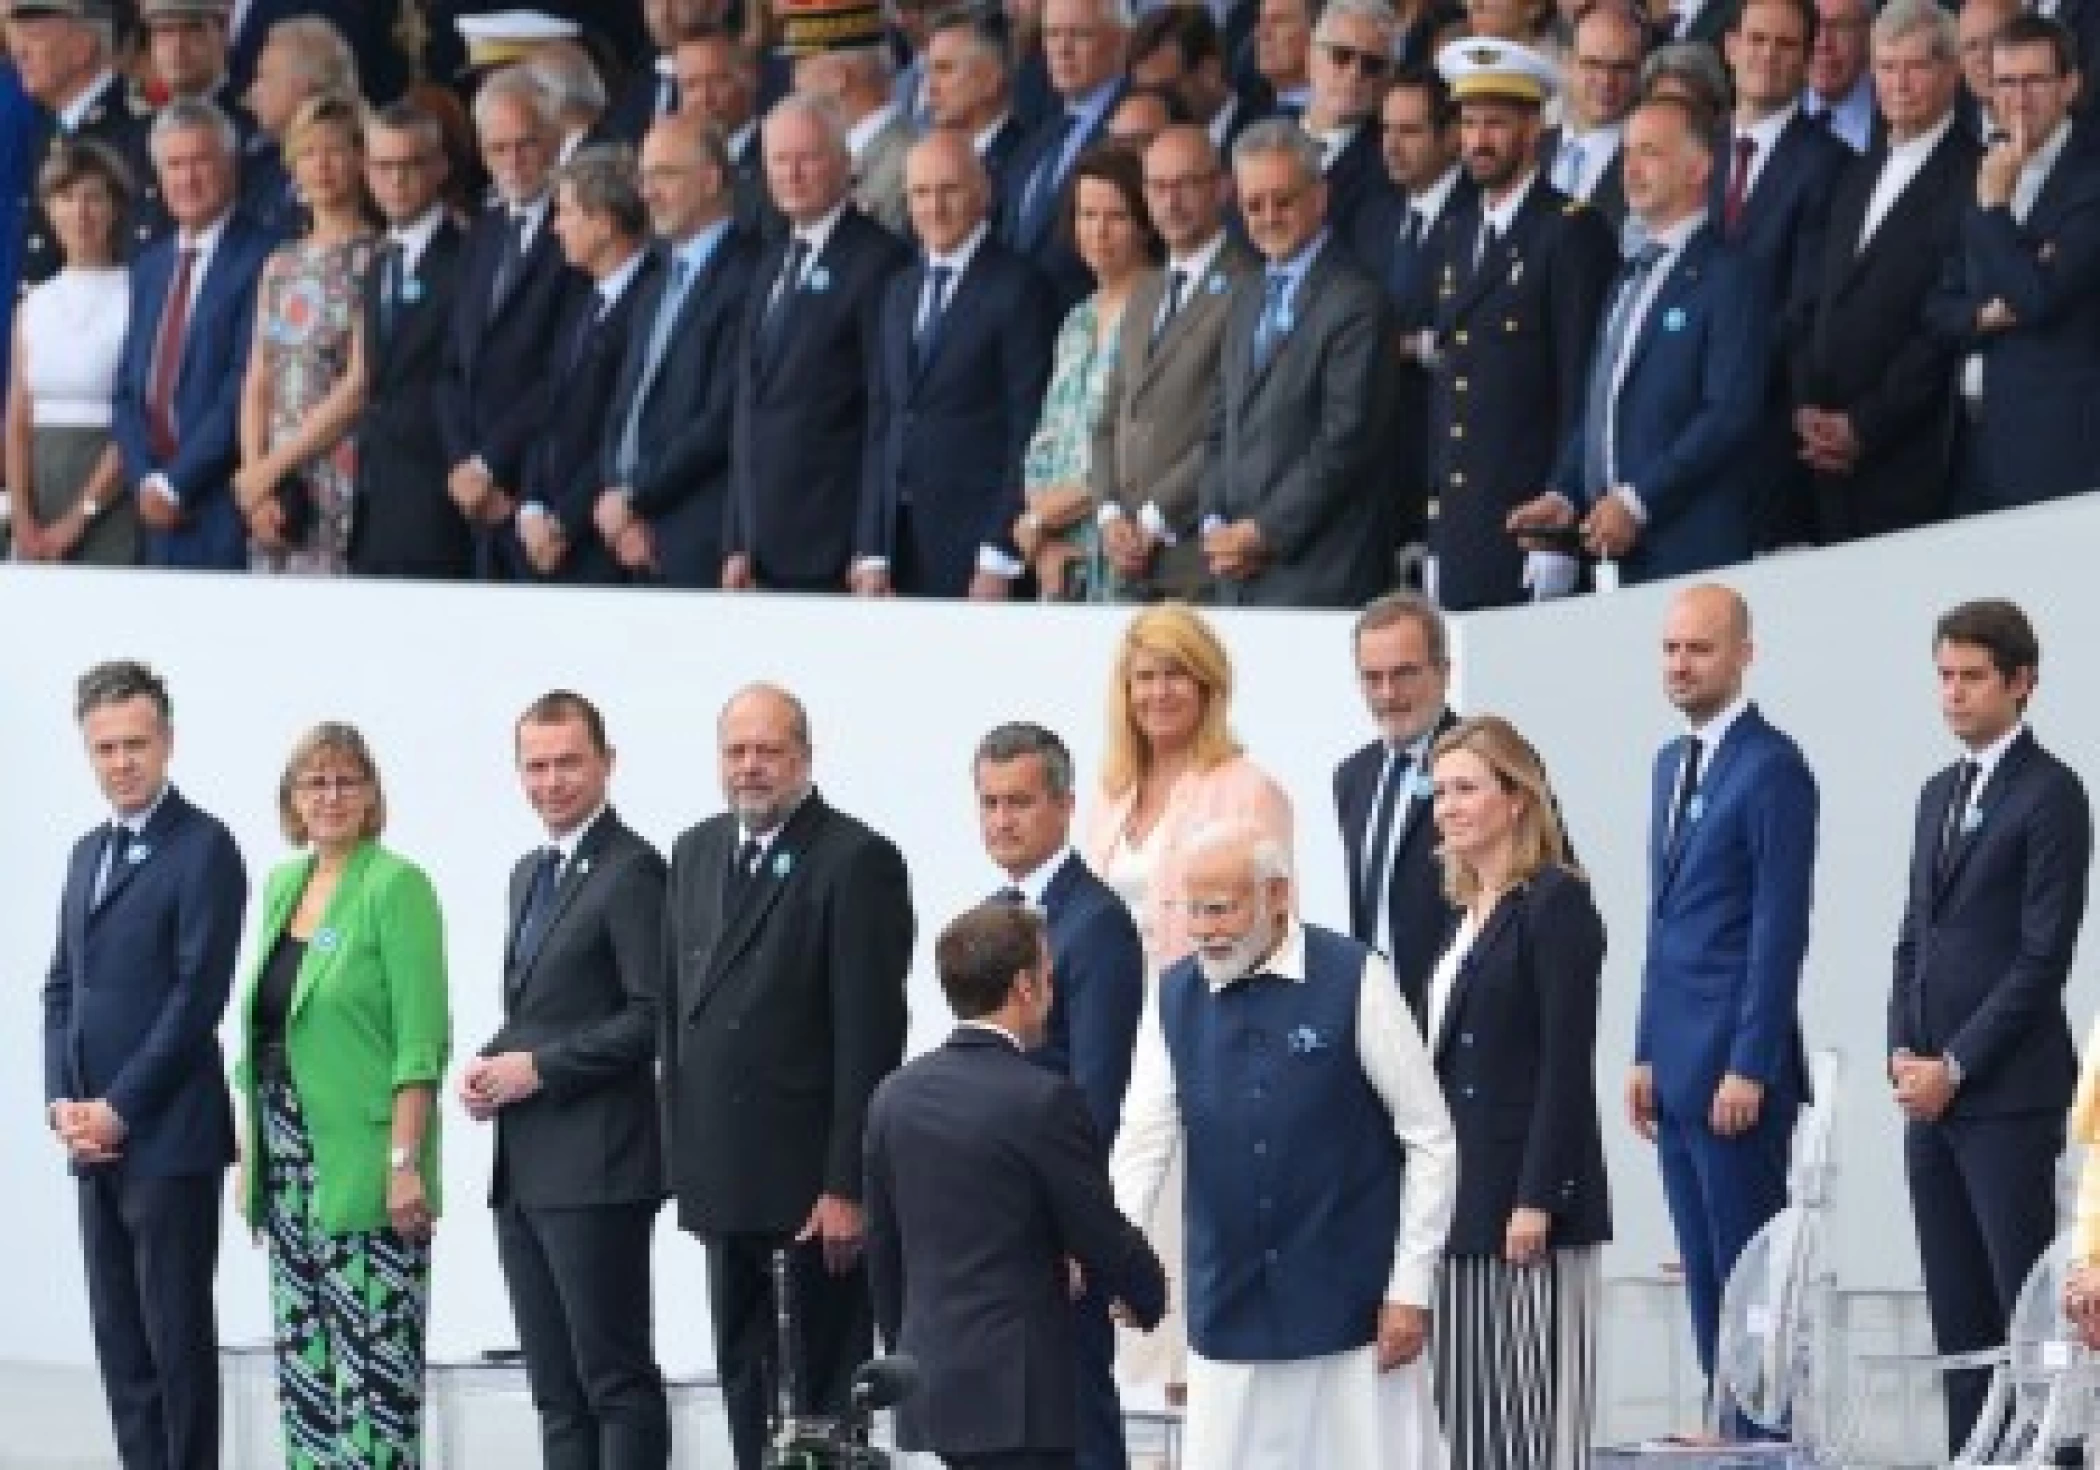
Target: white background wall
x: 898, y: 695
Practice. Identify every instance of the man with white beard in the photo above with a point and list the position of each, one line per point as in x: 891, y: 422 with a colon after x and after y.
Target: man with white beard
x: 1283, y: 1058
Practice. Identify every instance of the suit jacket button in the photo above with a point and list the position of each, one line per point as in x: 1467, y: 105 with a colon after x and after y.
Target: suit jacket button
x: 1465, y: 1038
x: 1458, y: 480
x: 1459, y: 338
x: 1459, y: 385
x: 1458, y: 431
x: 1467, y: 1091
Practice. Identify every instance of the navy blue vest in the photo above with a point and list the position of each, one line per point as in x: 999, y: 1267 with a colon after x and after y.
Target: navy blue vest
x: 1293, y: 1195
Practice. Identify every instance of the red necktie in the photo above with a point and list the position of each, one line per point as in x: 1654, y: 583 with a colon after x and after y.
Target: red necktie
x: 167, y: 357
x: 1738, y: 182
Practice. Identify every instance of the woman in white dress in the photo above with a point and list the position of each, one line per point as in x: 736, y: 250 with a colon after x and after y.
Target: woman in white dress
x: 1171, y: 766
x: 65, y: 483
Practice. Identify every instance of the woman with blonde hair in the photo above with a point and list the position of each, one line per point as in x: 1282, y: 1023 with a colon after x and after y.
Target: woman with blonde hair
x: 1511, y: 1022
x: 346, y: 1034
x: 1171, y: 766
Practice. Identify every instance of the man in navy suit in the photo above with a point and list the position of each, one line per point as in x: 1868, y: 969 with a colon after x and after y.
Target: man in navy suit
x: 1352, y: 52
x: 1980, y: 1052
x: 1382, y: 791
x: 514, y: 288
x: 986, y: 1183
x: 601, y: 222
x: 2021, y: 298
x: 1719, y: 1073
x: 1097, y: 993
x: 1084, y: 42
x: 809, y: 347
x: 963, y: 356
x: 178, y: 395
x: 305, y: 56
x: 134, y: 1086
x: 1659, y: 465
x: 666, y: 440
x: 969, y: 87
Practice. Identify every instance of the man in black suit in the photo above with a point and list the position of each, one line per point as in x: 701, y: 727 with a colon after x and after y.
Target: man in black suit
x: 969, y: 88
x: 1581, y: 153
x: 1352, y: 52
x: 134, y: 1086
x: 788, y: 933
x: 1097, y: 993
x: 963, y: 354
x: 405, y: 525
x: 514, y: 288
x: 1873, y: 390
x: 665, y: 453
x: 1084, y: 42
x: 1382, y: 791
x: 1771, y: 193
x: 986, y: 1183
x: 809, y: 349
x: 1980, y: 1051
x: 569, y: 1081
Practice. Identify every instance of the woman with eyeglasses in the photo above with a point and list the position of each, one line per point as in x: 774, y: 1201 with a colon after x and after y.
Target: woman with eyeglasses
x: 347, y: 1031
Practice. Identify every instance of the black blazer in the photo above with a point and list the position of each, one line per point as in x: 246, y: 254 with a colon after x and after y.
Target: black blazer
x: 984, y: 1174
x: 405, y: 522
x: 1985, y: 948
x: 1864, y: 349
x: 950, y: 433
x: 1517, y: 1054
x: 1357, y: 182
x: 564, y: 466
x: 492, y: 399
x: 1418, y: 915
x: 801, y: 410
x: 680, y: 484
x: 583, y: 1001
x: 1608, y: 195
x: 781, y: 1014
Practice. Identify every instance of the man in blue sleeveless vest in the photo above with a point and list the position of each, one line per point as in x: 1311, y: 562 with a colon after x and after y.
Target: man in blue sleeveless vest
x: 1320, y: 1176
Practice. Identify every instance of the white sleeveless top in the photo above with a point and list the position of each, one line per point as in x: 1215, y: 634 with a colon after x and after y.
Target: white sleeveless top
x: 73, y: 328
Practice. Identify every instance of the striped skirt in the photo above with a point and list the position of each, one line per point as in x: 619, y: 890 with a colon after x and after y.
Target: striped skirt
x: 1516, y: 1351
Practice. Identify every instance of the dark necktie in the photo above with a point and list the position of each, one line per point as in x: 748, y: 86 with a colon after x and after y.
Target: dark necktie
x: 1687, y: 787
x: 928, y: 336
x: 539, y: 900
x: 1012, y: 895
x: 389, y: 286
x: 1738, y: 183
x: 113, y: 842
x: 1399, y: 775
x: 167, y: 356
x: 741, y: 870
x: 1957, y: 812
x: 512, y: 256
x: 773, y: 326
x: 1177, y: 284
x: 1597, y: 417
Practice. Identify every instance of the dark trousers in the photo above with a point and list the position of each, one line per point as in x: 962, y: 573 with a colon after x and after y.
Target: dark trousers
x: 1013, y: 1460
x: 1100, y: 1410
x: 151, y: 1248
x: 1983, y: 1198
x: 835, y: 1329
x: 579, y: 1289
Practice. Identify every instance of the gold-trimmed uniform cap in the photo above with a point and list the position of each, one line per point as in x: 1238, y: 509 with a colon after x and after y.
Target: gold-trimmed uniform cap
x: 1485, y: 67
x: 503, y: 36
x: 817, y: 27
x: 153, y: 10
x: 70, y: 9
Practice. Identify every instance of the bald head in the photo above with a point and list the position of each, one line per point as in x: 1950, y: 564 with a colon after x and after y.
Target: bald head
x: 1706, y: 651
x: 764, y: 744
x: 945, y: 190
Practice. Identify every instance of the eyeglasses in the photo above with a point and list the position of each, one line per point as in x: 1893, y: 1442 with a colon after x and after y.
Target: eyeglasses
x: 1370, y: 63
x: 2030, y: 83
x: 338, y: 784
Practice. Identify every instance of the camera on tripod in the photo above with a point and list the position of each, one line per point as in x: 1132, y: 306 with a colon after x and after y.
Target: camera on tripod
x: 804, y: 1442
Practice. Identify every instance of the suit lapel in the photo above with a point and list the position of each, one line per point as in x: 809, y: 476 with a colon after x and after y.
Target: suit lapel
x: 137, y: 851
x: 1713, y: 785
x: 962, y: 301
x: 1687, y: 274
x: 325, y: 947
x: 1210, y: 296
x: 1499, y: 928
x: 1304, y: 302
x: 776, y: 872
x: 1985, y: 800
x: 575, y: 874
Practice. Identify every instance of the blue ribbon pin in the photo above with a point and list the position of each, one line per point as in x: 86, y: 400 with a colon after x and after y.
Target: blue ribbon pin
x: 1673, y: 319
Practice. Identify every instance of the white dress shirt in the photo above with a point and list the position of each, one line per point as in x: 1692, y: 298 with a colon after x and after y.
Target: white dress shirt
x: 1598, y: 147
x: 414, y: 237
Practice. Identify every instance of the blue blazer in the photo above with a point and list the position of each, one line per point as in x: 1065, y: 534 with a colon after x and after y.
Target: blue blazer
x: 1097, y: 991
x: 951, y: 432
x: 1985, y: 948
x: 1783, y: 220
x: 1049, y: 244
x: 1686, y: 413
x: 1728, y: 920
x: 207, y: 400
x: 139, y: 982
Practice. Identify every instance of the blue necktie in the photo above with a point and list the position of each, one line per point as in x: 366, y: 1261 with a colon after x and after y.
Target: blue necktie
x: 1041, y: 195
x: 773, y: 325
x: 928, y: 335
x: 1596, y: 472
x: 667, y: 308
x: 1272, y: 326
x: 539, y: 900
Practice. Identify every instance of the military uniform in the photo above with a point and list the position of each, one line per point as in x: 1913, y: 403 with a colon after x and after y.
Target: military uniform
x: 117, y: 122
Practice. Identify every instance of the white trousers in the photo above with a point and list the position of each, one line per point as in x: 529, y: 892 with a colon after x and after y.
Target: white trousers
x: 1337, y: 1411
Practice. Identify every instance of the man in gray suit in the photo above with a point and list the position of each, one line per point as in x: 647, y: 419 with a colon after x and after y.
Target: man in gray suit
x: 570, y: 1082
x: 1292, y: 513
x: 878, y: 132
x: 1148, y: 442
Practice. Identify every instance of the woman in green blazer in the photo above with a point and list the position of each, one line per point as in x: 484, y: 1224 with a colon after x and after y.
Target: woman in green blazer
x: 346, y: 1038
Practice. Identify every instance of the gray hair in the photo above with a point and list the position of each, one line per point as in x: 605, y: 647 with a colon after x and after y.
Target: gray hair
x: 1412, y: 607
x: 602, y: 180
x: 193, y: 114
x: 820, y: 110
x: 1377, y: 12
x: 1019, y: 738
x: 1901, y: 18
x: 319, y: 54
x: 1694, y: 64
x: 1280, y: 135
x: 1267, y: 858
x: 518, y: 85
x: 569, y: 78
x: 116, y: 682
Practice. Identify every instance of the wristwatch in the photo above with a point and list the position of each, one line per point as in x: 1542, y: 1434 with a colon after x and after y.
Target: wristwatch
x: 401, y: 1160
x: 1955, y: 1071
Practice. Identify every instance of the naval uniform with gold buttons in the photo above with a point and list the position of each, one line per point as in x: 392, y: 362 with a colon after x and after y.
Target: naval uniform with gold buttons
x: 113, y: 121
x: 1514, y: 337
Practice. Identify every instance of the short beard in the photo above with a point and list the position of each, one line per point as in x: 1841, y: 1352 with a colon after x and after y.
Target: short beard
x: 1246, y: 955
x: 760, y: 819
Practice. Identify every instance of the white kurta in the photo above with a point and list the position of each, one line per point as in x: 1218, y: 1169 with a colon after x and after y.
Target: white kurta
x: 1335, y: 1410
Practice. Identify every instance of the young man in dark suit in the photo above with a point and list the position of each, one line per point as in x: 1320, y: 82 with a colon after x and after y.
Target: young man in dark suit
x: 962, y: 359
x: 788, y: 935
x: 569, y: 1081
x: 134, y: 1085
x: 405, y: 524
x: 1980, y: 1053
x: 807, y: 352
x: 1024, y: 810
x: 986, y: 1184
